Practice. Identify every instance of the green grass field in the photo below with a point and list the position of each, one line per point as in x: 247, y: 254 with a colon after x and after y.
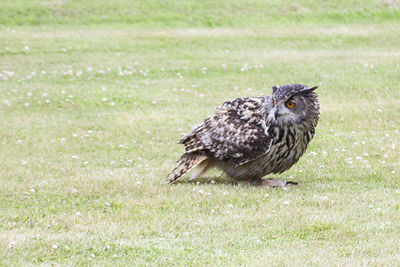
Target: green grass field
x: 95, y: 94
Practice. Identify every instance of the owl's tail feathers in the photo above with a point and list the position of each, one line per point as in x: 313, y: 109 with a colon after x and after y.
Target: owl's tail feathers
x: 187, y: 162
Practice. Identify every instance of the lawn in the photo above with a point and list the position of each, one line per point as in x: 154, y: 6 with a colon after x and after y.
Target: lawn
x: 94, y: 96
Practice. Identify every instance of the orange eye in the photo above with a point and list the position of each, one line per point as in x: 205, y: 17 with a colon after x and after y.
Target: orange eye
x: 290, y: 104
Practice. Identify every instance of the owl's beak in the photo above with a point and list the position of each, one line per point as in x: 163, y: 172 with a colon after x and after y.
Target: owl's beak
x: 280, y: 112
x: 276, y: 114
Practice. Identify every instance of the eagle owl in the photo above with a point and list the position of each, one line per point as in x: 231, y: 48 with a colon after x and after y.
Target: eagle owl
x: 251, y: 137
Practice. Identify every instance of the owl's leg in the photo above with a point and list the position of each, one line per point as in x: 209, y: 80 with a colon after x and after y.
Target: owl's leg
x: 201, y: 168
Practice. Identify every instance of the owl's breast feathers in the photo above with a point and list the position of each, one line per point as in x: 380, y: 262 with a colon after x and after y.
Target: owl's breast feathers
x: 237, y: 132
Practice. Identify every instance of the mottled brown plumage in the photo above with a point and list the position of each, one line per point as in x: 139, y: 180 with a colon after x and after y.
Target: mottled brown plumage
x: 251, y: 137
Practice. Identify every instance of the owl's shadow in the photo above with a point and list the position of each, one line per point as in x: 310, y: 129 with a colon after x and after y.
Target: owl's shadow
x: 209, y: 180
x: 223, y: 180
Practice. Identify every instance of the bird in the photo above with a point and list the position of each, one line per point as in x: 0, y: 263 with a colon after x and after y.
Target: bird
x: 251, y: 137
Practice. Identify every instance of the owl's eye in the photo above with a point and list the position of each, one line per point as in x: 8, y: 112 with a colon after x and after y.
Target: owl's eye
x: 290, y: 104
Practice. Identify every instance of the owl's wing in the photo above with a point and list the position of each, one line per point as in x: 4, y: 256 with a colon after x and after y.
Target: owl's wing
x: 236, y: 132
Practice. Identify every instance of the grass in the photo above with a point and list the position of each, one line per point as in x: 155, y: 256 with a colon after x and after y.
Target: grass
x: 94, y: 97
x: 184, y: 13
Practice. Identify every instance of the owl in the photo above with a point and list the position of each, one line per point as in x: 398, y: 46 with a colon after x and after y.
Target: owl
x: 249, y: 138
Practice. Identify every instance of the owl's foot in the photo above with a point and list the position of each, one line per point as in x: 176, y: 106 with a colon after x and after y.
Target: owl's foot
x: 272, y: 183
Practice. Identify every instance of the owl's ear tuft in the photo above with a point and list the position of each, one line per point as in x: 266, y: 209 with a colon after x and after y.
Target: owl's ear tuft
x: 306, y: 90
x: 274, y: 88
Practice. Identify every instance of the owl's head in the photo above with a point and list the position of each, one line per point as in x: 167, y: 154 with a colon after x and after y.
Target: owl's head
x: 294, y: 104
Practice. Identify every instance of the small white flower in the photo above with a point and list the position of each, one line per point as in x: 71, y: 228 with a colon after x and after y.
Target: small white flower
x: 55, y: 247
x: 7, y: 102
x: 27, y: 105
x: 286, y: 203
